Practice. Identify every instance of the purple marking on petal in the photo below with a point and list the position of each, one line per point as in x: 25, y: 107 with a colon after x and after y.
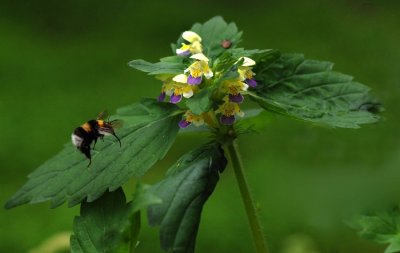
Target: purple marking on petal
x: 184, y: 53
x: 251, y: 82
x: 238, y: 98
x: 227, y: 120
x: 175, y: 98
x: 161, y: 97
x: 194, y: 80
x: 183, y: 123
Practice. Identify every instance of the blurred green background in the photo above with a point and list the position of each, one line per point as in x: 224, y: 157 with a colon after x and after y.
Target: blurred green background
x: 63, y: 62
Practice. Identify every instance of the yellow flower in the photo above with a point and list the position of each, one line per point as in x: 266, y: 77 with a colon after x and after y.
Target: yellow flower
x: 198, y: 68
x: 190, y: 118
x: 195, y: 44
x: 234, y: 87
x: 176, y: 89
x: 245, y: 71
x: 228, y: 111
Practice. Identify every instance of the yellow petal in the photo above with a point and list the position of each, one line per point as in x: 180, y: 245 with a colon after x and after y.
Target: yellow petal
x: 244, y: 86
x: 208, y: 74
x: 196, y: 47
x: 187, y: 93
x: 206, y: 70
x: 247, y: 62
x: 191, y: 36
x: 181, y: 78
x: 200, y: 57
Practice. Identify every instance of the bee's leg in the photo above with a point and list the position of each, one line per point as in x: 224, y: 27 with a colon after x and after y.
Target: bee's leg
x: 86, y: 151
x: 90, y: 162
x: 94, y: 144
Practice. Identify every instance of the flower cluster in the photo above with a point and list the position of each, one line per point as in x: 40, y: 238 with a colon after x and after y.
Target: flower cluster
x: 229, y: 93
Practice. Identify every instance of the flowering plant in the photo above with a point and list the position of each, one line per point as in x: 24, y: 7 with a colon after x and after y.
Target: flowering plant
x: 205, y: 84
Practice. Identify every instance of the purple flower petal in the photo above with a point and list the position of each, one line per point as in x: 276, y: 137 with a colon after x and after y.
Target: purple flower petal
x: 194, y: 80
x: 238, y: 98
x: 161, y: 97
x: 184, y: 53
x: 175, y: 98
x: 251, y: 82
x: 227, y: 120
x: 183, y: 123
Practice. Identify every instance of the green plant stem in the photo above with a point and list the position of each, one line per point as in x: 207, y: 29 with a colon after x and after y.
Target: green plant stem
x: 251, y: 211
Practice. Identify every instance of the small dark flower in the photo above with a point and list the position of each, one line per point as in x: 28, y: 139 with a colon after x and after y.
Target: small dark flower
x: 184, y: 53
x: 175, y: 98
x: 237, y: 98
x: 183, y: 123
x: 226, y: 44
x: 251, y: 82
x: 194, y: 80
x: 161, y: 97
x: 227, y: 120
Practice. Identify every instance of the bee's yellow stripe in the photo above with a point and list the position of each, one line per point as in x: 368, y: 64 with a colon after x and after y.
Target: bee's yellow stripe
x: 100, y: 123
x: 86, y: 127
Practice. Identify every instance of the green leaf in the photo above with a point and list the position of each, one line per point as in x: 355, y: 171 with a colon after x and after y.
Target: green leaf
x: 109, y: 224
x: 188, y: 185
x: 149, y: 130
x: 230, y: 74
x: 213, y: 32
x: 381, y: 227
x: 260, y: 56
x: 168, y: 66
x: 229, y: 61
x: 143, y: 197
x: 231, y: 56
x: 309, y: 90
x: 98, y: 229
x: 200, y: 102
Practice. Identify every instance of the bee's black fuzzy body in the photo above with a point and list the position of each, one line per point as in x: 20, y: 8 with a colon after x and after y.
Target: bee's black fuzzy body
x: 85, y: 135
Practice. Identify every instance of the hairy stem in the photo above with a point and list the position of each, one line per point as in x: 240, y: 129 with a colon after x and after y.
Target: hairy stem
x: 251, y: 211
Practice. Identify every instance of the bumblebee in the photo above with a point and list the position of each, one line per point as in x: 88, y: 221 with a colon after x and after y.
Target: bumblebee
x: 86, y: 134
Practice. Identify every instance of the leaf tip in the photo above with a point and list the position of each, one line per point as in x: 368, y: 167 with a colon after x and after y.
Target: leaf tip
x: 8, y: 205
x: 15, y: 201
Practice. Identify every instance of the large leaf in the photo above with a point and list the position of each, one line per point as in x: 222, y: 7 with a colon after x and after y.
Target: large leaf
x: 170, y: 65
x: 109, y: 224
x: 188, y: 185
x: 309, y: 90
x: 213, y: 32
x: 381, y: 227
x: 149, y: 131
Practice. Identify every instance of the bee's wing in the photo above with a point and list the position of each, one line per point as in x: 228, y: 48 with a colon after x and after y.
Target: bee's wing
x: 103, y: 115
x: 117, y: 123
